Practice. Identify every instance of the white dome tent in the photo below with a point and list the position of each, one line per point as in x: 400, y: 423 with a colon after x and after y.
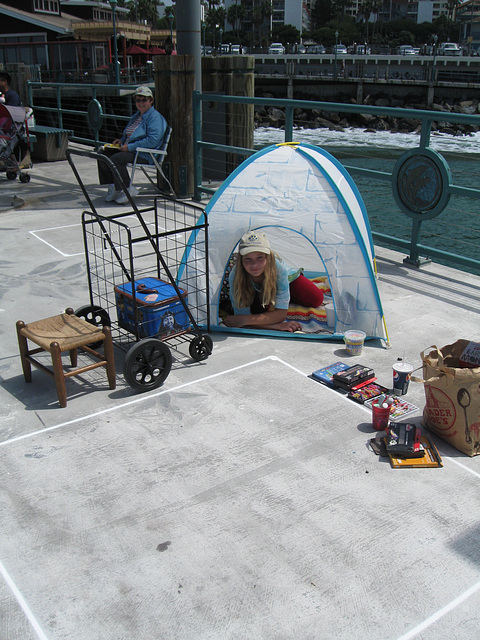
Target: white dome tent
x: 312, y: 212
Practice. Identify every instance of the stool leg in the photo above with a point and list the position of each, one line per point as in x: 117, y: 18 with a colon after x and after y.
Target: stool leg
x: 109, y: 357
x: 58, y: 373
x: 23, y: 346
x: 74, y: 352
x: 73, y: 357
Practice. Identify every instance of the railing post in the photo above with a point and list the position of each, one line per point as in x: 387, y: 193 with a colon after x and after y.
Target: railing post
x: 59, y: 107
x: 289, y: 124
x: 197, y: 153
x: 425, y: 133
x: 414, y: 257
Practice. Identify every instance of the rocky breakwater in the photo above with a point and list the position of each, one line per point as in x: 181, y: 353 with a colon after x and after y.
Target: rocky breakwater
x: 319, y: 119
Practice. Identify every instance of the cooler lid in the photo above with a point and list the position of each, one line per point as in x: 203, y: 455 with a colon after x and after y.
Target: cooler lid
x: 151, y: 292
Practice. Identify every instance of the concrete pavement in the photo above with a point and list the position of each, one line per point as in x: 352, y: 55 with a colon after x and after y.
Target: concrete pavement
x: 239, y: 500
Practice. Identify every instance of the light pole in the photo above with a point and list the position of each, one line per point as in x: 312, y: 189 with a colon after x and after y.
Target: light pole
x: 435, y: 38
x: 170, y: 19
x: 113, y: 4
x: 204, y: 26
x: 335, y: 68
x: 220, y: 33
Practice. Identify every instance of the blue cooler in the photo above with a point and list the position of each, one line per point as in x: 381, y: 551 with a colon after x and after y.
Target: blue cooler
x: 159, y: 310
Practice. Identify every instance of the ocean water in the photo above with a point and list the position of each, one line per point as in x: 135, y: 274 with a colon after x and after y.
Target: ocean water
x: 357, y: 138
x: 455, y: 230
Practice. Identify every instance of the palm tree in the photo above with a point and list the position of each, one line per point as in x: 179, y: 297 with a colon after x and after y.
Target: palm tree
x: 235, y: 15
x: 260, y: 11
x: 365, y: 11
x: 376, y: 6
x: 451, y: 6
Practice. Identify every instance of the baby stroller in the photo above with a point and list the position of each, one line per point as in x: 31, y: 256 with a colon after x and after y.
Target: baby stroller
x: 13, y: 136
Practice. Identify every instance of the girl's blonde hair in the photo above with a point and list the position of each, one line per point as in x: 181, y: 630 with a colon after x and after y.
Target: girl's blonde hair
x: 243, y: 291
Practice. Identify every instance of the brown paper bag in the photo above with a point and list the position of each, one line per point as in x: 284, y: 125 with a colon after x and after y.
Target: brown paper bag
x: 452, y: 394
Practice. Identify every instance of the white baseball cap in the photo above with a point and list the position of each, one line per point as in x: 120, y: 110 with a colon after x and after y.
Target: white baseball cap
x: 254, y: 241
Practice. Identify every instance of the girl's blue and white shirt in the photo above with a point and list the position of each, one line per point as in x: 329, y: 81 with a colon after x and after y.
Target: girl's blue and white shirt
x: 285, y: 275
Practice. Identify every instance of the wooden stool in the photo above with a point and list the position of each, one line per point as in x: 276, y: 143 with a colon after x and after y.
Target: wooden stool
x: 57, y: 334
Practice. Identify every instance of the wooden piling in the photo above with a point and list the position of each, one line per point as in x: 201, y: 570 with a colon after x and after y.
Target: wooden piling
x: 174, y: 86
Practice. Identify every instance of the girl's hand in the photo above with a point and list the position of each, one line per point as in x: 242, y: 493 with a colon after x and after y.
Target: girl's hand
x: 290, y: 326
x: 233, y: 321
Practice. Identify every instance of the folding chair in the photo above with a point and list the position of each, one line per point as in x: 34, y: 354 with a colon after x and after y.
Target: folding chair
x: 158, y: 156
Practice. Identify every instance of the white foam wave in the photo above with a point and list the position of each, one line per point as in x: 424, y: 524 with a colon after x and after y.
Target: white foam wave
x: 358, y: 138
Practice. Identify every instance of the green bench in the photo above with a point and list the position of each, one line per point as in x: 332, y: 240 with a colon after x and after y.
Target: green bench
x: 49, y: 143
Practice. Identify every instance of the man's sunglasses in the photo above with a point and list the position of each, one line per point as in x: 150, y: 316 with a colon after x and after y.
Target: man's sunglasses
x: 139, y: 99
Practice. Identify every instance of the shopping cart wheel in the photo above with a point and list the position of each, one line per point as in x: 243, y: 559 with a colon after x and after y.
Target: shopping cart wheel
x: 11, y: 175
x: 201, y: 347
x: 94, y: 315
x: 147, y: 364
x: 24, y: 177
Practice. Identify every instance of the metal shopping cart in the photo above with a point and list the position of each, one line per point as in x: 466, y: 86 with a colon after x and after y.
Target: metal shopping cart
x: 147, y: 273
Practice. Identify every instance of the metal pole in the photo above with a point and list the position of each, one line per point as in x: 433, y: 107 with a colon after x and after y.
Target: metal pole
x: 336, y: 41
x: 113, y: 4
x: 188, y: 21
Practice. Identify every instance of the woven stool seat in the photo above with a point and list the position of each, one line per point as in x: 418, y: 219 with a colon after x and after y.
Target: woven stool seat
x: 64, y: 332
x: 69, y: 331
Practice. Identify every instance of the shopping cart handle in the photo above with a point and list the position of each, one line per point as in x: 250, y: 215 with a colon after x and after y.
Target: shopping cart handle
x: 141, y: 288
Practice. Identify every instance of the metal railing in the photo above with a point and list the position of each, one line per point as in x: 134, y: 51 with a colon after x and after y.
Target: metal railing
x: 224, y: 135
x: 394, y: 193
x: 106, y: 108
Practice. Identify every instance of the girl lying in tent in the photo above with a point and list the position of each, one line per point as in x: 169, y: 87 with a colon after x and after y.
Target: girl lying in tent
x: 261, y: 286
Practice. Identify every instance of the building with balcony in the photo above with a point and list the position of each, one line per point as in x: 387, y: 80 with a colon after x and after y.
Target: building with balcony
x: 69, y: 36
x: 468, y: 17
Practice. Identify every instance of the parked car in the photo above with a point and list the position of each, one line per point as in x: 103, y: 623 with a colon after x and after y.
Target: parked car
x: 449, y: 49
x: 406, y: 50
x: 236, y: 50
x: 276, y: 48
x: 381, y: 50
x: 316, y: 49
x: 361, y: 49
x: 299, y: 48
x: 339, y: 49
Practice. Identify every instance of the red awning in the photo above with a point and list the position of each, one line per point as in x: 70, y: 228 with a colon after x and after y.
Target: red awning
x: 136, y: 49
x: 157, y: 51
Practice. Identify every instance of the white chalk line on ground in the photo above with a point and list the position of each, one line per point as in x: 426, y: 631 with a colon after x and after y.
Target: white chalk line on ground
x: 441, y: 612
x: 459, y: 599
x: 408, y: 636
x: 21, y: 601
x: 34, y: 233
x: 474, y: 473
x: 136, y: 400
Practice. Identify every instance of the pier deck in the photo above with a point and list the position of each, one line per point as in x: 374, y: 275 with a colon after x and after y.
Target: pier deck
x: 239, y: 500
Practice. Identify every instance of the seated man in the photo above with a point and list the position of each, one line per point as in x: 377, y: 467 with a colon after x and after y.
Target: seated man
x: 146, y: 128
